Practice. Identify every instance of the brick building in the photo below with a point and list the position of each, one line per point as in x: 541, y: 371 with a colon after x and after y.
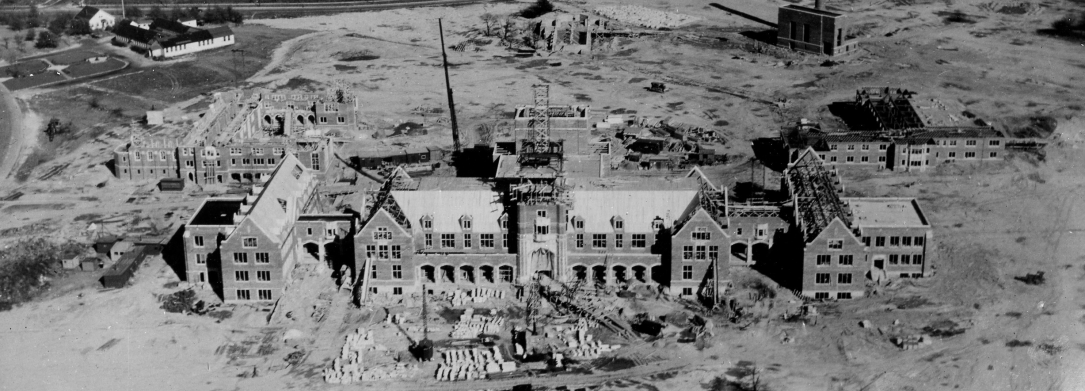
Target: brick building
x: 902, y: 150
x: 813, y: 30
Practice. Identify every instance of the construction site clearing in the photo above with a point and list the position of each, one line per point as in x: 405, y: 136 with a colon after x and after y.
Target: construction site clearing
x: 720, y: 196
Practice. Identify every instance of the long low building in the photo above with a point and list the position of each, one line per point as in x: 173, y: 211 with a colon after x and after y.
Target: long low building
x: 164, y: 38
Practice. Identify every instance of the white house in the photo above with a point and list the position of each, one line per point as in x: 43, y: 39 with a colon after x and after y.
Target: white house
x: 96, y: 18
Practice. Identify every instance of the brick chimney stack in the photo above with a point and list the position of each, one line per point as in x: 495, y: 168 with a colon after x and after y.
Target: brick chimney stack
x: 819, y: 5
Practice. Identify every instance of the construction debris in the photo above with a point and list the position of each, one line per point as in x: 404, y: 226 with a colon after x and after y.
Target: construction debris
x: 912, y: 341
x: 471, y: 364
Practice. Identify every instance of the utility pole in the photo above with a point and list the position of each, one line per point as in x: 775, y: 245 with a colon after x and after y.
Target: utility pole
x: 448, y: 87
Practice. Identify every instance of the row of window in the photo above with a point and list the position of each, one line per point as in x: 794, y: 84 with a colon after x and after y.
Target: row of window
x: 465, y: 223
x: 825, y: 295
x: 825, y: 278
x: 384, y: 251
x: 883, y: 147
x: 905, y: 259
x: 700, y: 253
x: 246, y: 242
x: 842, y: 260
x: 261, y: 294
x: 600, y: 241
x: 213, y: 153
x: 865, y: 147
x: 449, y: 240
x: 256, y: 151
x: 243, y: 275
x: 259, y: 258
x: 851, y: 159
x: 894, y: 241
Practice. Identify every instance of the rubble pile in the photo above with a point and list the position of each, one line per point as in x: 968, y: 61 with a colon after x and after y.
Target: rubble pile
x: 644, y: 16
x: 910, y: 342
x: 471, y: 325
x: 471, y: 364
x: 477, y: 295
x: 347, y: 368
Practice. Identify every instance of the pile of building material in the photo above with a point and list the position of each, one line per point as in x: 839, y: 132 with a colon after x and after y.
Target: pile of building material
x: 399, y: 371
x: 394, y: 319
x: 644, y: 16
x: 347, y: 368
x: 471, y: 325
x: 590, y: 349
x: 471, y: 364
x: 910, y: 342
x: 476, y: 295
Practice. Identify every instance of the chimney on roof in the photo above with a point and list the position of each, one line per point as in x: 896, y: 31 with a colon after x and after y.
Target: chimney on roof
x: 818, y: 4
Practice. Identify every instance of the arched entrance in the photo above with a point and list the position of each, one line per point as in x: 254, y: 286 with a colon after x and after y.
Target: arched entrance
x: 487, y: 274
x: 619, y: 274
x: 505, y: 273
x: 467, y: 274
x: 659, y: 275
x: 428, y: 274
x: 312, y: 250
x: 312, y: 119
x: 543, y: 260
x: 640, y: 274
x: 738, y: 251
x: 580, y: 272
x: 267, y: 120
x: 759, y: 252
x: 448, y: 274
x: 599, y: 274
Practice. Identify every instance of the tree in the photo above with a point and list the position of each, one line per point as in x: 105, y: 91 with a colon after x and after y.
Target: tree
x: 490, y: 21
x: 234, y: 16
x: 60, y: 23
x: 7, y: 42
x: 52, y: 129
x: 46, y: 40
x: 79, y: 27
x: 540, y: 8
x: 133, y: 12
x: 15, y: 23
x: 178, y: 14
x: 156, y: 12
x: 30, y: 35
x: 33, y: 17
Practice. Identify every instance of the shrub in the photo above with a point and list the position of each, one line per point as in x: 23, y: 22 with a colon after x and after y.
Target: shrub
x: 46, y: 40
x: 181, y: 301
x: 26, y: 266
x: 540, y: 8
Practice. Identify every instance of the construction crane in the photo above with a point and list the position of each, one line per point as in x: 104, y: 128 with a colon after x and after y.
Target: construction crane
x: 423, y: 349
x: 448, y: 88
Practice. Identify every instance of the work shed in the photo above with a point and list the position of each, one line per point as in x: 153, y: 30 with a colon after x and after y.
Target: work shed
x: 119, y: 274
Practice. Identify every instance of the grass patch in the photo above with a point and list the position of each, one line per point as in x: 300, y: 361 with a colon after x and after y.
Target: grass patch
x: 27, y: 266
x: 84, y: 69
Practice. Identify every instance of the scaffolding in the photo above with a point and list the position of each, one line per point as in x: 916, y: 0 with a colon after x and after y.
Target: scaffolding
x: 382, y: 198
x: 540, y: 121
x: 815, y: 192
x: 891, y: 109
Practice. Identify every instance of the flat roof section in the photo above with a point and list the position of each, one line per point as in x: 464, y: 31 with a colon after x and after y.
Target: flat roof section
x: 217, y: 212
x: 886, y: 212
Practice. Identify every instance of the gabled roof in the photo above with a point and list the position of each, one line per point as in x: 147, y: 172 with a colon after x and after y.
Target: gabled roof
x: 698, y: 212
x: 221, y: 31
x: 446, y: 207
x: 280, y: 202
x: 814, y: 190
x: 87, y: 12
x: 636, y: 208
x: 127, y: 30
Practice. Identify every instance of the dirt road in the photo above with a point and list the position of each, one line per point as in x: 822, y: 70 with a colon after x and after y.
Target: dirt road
x: 11, y: 138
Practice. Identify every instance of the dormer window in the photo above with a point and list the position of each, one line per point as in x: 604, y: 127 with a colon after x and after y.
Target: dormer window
x: 427, y: 222
x: 578, y: 223
x: 465, y: 222
x: 504, y: 222
x: 540, y: 213
x: 657, y: 224
x: 618, y: 223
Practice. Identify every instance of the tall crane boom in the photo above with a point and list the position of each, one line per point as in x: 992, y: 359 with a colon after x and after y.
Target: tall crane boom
x: 448, y: 88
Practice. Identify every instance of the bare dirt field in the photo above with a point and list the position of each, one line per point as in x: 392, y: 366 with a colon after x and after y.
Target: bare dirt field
x: 993, y: 222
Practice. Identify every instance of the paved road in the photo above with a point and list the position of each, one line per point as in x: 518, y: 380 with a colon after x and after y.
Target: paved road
x: 11, y: 141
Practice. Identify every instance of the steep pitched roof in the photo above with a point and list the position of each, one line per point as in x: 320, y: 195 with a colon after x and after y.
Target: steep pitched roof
x: 636, y: 208
x: 281, y: 200
x: 127, y: 30
x: 87, y: 12
x: 446, y: 207
x: 814, y: 191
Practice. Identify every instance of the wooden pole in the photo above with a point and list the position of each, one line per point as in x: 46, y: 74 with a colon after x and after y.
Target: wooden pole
x: 448, y: 87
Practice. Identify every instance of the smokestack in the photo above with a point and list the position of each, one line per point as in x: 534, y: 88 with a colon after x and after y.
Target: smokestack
x: 818, y: 5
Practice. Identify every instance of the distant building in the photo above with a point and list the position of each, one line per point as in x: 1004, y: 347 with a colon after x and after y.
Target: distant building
x: 96, y: 18
x: 575, y: 33
x: 813, y: 30
x: 166, y: 39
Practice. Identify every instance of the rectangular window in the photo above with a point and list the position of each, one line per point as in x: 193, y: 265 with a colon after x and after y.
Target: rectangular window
x: 701, y: 253
x: 277, y: 151
x: 542, y: 229
x: 713, y: 252
x: 506, y: 274
x: 906, y: 241
x: 970, y: 143
x: 397, y: 272
x: 466, y: 224
x: 702, y: 234
x: 917, y: 259
x: 323, y: 120
x: 248, y: 242
x: 262, y: 258
x: 687, y: 253
x: 687, y: 272
x: 467, y: 241
x: 821, y: 295
x: 241, y: 257
x: 599, y: 240
x: 197, y: 241
x: 486, y: 240
x: 836, y: 244
x: 894, y: 240
x: 843, y: 295
x: 864, y: 159
x: 851, y: 147
x: 370, y: 251
x: 257, y: 151
x: 894, y: 259
x: 201, y: 259
x: 243, y: 294
x: 845, y: 260
x: 316, y: 161
x: 448, y: 240
x: 342, y: 119
x: 241, y: 275
x: 264, y: 294
x: 263, y: 275
x: 866, y: 147
x: 918, y: 241
x: 993, y: 143
x: 504, y: 223
x: 879, y: 241
x: 832, y: 158
x: 427, y: 224
x: 687, y: 291
x: 824, y: 260
x: 994, y: 154
x: 821, y: 278
x: 832, y: 147
x: 578, y: 224
x: 866, y: 241
x: 504, y: 240
x: 382, y: 251
x: 850, y: 159
x: 639, y: 241
x: 579, y: 241
x: 619, y: 224
x: 969, y: 155
x: 881, y: 159
x: 843, y: 278
x: 905, y: 259
x: 397, y: 252
x: 952, y: 154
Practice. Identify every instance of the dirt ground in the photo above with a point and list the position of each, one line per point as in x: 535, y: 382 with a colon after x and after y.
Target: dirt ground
x: 993, y: 222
